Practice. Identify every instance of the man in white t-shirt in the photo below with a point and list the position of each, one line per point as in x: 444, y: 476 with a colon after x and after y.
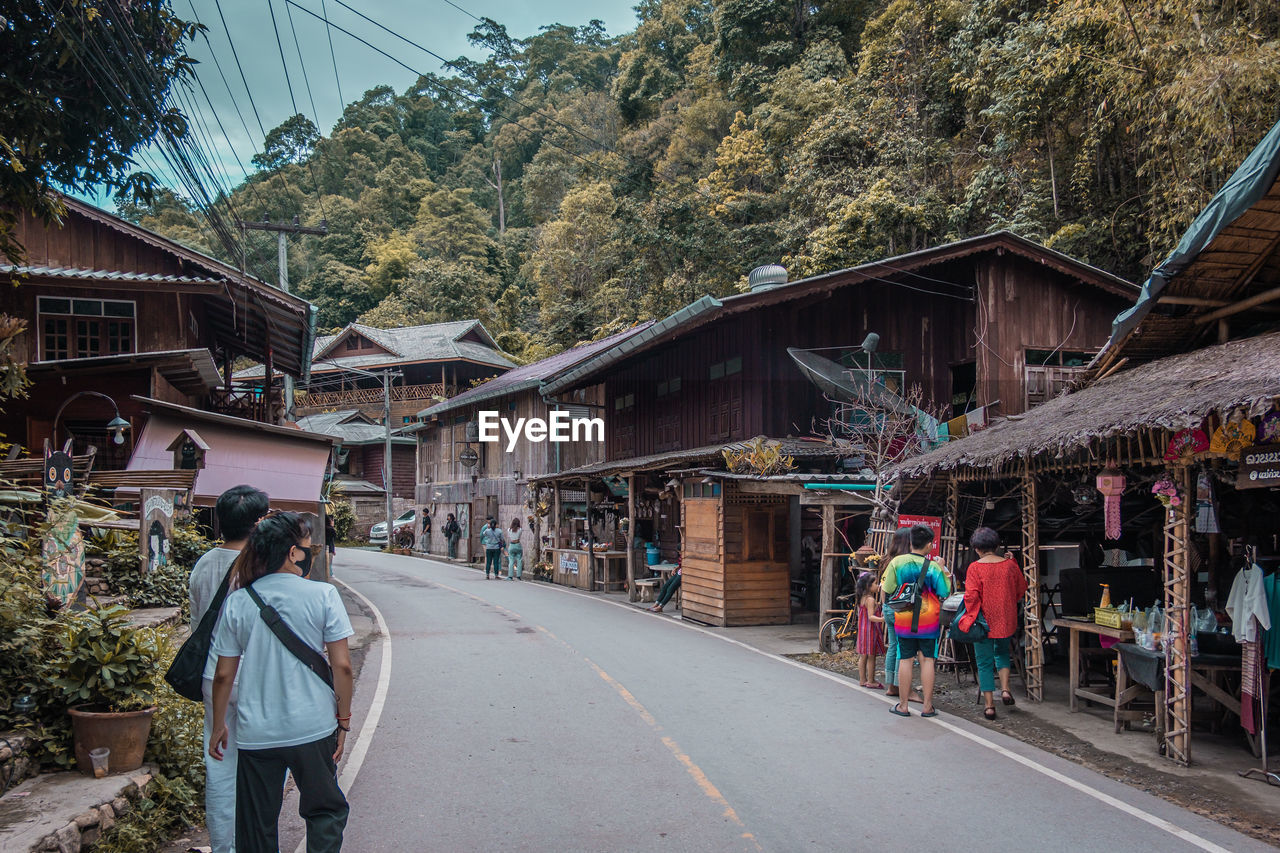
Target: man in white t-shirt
x: 286, y: 716
x: 238, y: 510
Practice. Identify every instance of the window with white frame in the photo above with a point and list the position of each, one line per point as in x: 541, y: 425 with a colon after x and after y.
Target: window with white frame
x: 85, y: 328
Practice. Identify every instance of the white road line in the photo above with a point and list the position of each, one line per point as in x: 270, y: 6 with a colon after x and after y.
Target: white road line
x: 1107, y: 799
x: 364, y: 734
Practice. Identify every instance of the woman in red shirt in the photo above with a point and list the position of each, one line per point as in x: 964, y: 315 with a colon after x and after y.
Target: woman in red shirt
x: 994, y: 586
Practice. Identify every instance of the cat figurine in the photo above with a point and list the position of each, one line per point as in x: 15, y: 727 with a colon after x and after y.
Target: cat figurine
x: 58, y: 470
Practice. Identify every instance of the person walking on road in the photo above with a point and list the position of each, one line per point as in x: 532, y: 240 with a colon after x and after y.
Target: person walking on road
x: 993, y: 586
x: 515, y: 551
x: 238, y: 510
x: 289, y: 717
x: 492, y: 540
x: 917, y: 627
x: 452, y: 533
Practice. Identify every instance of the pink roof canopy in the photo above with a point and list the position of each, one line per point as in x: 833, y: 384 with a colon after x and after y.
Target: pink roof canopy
x: 288, y: 464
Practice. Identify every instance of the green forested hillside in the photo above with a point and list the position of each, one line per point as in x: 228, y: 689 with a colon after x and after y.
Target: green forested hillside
x: 576, y: 180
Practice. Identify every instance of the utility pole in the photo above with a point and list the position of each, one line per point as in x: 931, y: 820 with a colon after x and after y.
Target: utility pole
x: 282, y: 230
x: 386, y: 450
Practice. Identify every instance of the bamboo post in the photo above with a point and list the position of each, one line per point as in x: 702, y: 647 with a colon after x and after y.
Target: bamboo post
x: 826, y: 582
x: 591, y: 541
x: 555, y: 516
x: 950, y: 544
x: 1177, y: 594
x: 1033, y: 636
x: 632, y: 593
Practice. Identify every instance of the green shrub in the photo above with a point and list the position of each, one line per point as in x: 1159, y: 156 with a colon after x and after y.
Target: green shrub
x: 164, y: 587
x: 107, y: 662
x: 344, y: 518
x: 170, y: 805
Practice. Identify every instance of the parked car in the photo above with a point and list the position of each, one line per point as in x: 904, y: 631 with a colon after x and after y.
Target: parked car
x: 403, y: 528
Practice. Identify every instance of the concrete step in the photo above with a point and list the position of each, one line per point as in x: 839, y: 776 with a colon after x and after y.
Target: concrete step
x: 62, y: 811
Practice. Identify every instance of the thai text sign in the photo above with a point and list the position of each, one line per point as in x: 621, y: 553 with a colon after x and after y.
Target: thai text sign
x: 1259, y: 467
x: 933, y: 522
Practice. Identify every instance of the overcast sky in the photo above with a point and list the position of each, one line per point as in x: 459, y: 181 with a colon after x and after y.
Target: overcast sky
x: 439, y: 25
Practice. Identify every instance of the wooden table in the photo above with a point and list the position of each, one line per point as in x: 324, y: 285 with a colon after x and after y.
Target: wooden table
x: 578, y: 558
x: 1083, y: 626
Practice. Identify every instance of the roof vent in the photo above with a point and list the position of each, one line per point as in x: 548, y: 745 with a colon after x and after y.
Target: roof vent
x: 767, y: 277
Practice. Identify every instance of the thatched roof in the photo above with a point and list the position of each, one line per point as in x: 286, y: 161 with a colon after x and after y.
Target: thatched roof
x: 1173, y: 393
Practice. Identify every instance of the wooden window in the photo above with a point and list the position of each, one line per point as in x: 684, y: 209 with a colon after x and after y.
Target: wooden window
x: 1049, y: 372
x: 85, y: 328
x: 57, y: 341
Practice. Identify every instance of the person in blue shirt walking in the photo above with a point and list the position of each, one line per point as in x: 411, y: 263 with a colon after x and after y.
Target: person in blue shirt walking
x: 493, y: 541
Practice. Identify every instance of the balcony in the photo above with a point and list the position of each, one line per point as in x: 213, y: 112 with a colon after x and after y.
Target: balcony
x: 354, y: 398
x: 248, y: 403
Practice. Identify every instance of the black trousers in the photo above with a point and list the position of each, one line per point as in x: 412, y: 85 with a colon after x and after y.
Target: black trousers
x: 260, y: 795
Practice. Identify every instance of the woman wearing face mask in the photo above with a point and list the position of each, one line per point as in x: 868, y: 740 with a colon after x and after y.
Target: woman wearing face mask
x: 287, y: 717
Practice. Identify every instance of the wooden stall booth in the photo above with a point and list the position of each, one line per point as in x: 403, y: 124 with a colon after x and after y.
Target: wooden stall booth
x: 1145, y: 477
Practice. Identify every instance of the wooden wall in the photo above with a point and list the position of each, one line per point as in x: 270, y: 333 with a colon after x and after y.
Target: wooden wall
x: 1025, y: 305
x: 370, y: 458
x: 440, y: 444
x: 735, y: 570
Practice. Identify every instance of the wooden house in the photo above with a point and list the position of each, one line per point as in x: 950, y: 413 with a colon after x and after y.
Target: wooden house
x: 496, y: 483
x: 991, y: 323
x: 431, y: 363
x: 1186, y: 392
x: 360, y: 456
x: 129, y: 342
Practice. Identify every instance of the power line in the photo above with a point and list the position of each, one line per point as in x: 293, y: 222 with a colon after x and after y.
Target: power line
x: 307, y: 80
x: 240, y: 68
x: 342, y: 102
x: 287, y: 79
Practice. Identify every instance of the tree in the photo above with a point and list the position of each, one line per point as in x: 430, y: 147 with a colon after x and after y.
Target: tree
x: 291, y: 142
x: 84, y: 84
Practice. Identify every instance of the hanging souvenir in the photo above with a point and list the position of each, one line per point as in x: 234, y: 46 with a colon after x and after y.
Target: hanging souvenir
x: 1269, y: 428
x: 1235, y: 434
x: 1185, y: 444
x: 1206, y: 505
x: 1111, y: 483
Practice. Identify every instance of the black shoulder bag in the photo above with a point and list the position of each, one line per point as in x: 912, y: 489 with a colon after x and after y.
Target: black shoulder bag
x: 186, y: 673
x: 909, y: 596
x: 310, y: 658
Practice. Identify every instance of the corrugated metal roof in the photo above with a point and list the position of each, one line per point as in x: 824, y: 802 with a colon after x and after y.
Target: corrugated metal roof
x: 532, y: 375
x: 106, y: 275
x: 407, y: 345
x: 351, y: 427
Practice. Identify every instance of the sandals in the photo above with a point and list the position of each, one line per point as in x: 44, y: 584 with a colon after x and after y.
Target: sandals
x: 874, y: 685
x: 1006, y: 697
x: 932, y: 713
x: 893, y: 709
x: 989, y: 713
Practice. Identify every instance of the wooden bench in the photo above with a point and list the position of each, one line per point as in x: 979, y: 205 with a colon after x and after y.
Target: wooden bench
x: 646, y: 587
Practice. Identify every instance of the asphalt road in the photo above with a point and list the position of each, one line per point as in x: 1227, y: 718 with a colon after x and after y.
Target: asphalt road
x: 524, y: 717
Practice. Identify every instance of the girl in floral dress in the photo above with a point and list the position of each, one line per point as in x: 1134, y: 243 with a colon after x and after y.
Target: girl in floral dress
x: 870, y: 643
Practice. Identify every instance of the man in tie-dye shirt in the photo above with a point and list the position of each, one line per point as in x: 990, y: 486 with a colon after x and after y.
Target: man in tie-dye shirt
x: 917, y: 631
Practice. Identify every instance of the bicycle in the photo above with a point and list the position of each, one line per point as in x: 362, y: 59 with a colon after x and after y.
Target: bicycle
x: 839, y: 631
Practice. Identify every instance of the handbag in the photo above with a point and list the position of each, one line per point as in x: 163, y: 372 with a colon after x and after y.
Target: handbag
x: 907, y: 595
x: 977, y: 631
x: 953, y: 603
x: 186, y: 673
x: 310, y: 658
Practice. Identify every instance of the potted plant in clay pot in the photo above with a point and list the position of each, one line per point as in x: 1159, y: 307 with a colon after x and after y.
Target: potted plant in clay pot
x: 108, y: 671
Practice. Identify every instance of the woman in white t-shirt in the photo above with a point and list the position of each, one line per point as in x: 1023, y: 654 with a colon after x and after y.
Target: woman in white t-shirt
x: 287, y: 717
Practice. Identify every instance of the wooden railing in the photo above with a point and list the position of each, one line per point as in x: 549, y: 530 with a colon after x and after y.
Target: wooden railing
x: 370, y: 396
x: 248, y: 403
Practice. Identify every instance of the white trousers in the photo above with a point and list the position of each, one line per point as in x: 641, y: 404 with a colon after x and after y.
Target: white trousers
x: 220, y: 777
